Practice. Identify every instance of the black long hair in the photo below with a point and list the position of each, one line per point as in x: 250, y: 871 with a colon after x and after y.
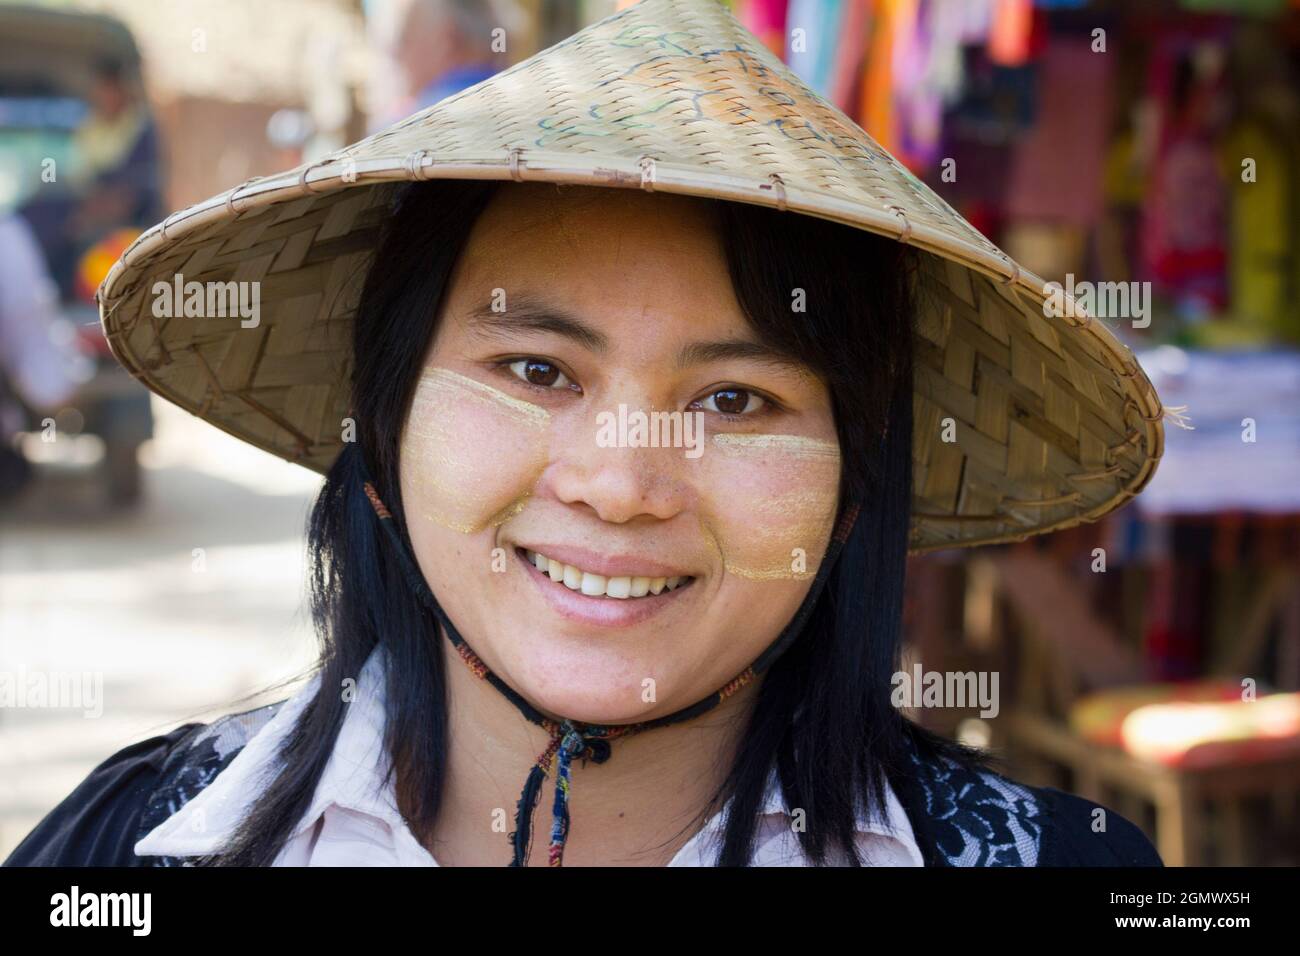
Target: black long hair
x: 822, y: 718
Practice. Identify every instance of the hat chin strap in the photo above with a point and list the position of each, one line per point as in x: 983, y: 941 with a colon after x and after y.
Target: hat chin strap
x: 570, y: 739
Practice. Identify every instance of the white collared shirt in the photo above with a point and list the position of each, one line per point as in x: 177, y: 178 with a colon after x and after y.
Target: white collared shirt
x: 353, y: 819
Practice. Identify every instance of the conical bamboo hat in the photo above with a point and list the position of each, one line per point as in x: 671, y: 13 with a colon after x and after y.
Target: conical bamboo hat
x: 1053, y: 422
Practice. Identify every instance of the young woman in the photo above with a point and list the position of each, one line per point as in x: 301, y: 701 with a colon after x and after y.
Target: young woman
x: 611, y: 565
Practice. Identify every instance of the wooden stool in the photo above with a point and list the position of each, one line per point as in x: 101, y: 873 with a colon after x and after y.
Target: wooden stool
x: 1180, y: 797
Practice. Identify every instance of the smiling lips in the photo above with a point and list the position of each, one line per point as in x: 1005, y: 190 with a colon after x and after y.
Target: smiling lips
x: 600, y: 585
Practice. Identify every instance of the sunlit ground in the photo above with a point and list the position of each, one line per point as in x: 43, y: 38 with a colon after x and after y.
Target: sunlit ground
x: 179, y: 606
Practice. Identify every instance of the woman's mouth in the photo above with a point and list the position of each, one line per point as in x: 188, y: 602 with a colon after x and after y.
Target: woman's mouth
x: 603, y: 600
x: 591, y: 584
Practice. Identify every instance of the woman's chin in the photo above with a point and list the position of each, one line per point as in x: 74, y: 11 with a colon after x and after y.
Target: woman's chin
x: 581, y: 706
x: 590, y: 694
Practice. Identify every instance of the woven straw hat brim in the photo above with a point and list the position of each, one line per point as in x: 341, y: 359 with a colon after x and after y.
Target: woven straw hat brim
x: 1053, y: 421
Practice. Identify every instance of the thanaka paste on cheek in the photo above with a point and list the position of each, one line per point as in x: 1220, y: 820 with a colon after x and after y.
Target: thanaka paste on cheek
x: 472, y: 453
x: 772, y: 503
x: 795, y: 446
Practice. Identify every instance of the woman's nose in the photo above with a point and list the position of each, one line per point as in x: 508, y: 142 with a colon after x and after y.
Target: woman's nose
x: 619, y: 480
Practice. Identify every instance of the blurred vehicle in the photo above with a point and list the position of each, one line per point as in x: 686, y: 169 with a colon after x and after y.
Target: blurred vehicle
x: 78, y: 160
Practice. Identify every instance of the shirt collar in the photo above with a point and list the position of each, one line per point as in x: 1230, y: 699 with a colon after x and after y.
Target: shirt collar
x: 890, y: 822
x: 357, y: 778
x: 354, y: 777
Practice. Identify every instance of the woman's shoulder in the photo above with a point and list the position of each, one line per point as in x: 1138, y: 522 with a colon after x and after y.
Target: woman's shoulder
x: 965, y: 813
x: 135, y: 789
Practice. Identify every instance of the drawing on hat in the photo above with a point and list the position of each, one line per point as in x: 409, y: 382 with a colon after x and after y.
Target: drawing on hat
x: 750, y: 92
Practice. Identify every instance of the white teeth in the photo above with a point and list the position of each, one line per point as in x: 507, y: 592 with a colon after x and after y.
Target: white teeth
x: 598, y: 585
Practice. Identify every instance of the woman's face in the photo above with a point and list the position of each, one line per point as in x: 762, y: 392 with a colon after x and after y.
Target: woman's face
x: 605, y: 577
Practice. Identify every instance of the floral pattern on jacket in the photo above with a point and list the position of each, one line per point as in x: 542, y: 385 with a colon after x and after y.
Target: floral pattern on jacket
x: 972, y: 817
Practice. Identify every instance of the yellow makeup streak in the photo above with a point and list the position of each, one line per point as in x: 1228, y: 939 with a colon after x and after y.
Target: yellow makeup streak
x: 783, y: 523
x: 444, y: 381
x: 772, y: 574
x: 752, y: 574
x: 509, y: 511
x: 798, y: 446
x: 470, y: 449
x: 786, y: 531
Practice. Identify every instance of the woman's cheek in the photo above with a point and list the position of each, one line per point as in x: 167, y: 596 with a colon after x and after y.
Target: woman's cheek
x: 471, y: 454
x: 769, y: 503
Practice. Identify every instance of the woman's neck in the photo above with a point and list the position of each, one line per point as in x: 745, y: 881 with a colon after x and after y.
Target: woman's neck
x: 636, y: 809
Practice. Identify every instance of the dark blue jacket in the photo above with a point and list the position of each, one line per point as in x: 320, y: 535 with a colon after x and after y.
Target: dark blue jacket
x: 960, y: 816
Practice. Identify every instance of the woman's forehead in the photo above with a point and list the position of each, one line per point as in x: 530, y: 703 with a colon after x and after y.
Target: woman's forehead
x: 598, y: 252
x: 545, y: 217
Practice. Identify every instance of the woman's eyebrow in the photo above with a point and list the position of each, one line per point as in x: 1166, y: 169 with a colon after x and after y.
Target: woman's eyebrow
x: 745, y: 350
x: 534, y: 316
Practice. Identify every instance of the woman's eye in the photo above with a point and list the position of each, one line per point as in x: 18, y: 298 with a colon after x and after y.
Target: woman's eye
x: 540, y: 373
x: 732, y: 401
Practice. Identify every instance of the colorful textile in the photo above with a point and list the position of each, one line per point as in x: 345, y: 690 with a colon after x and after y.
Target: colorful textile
x: 813, y: 28
x: 765, y: 19
x: 876, y: 93
x: 1057, y: 171
x: 1011, y: 32
x: 1184, y: 233
x: 1263, y: 214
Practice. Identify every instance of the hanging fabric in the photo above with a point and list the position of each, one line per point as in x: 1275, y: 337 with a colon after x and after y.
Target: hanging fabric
x: 1184, y: 232
x: 813, y: 27
x: 1012, y: 29
x: 1262, y: 216
x: 915, y: 70
x: 876, y: 94
x: 1057, y: 170
x: 854, y: 35
x: 766, y: 19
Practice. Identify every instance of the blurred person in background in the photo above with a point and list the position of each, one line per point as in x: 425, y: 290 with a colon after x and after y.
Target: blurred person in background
x: 440, y: 47
x: 118, y: 155
x: 115, y: 180
x: 39, y: 368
